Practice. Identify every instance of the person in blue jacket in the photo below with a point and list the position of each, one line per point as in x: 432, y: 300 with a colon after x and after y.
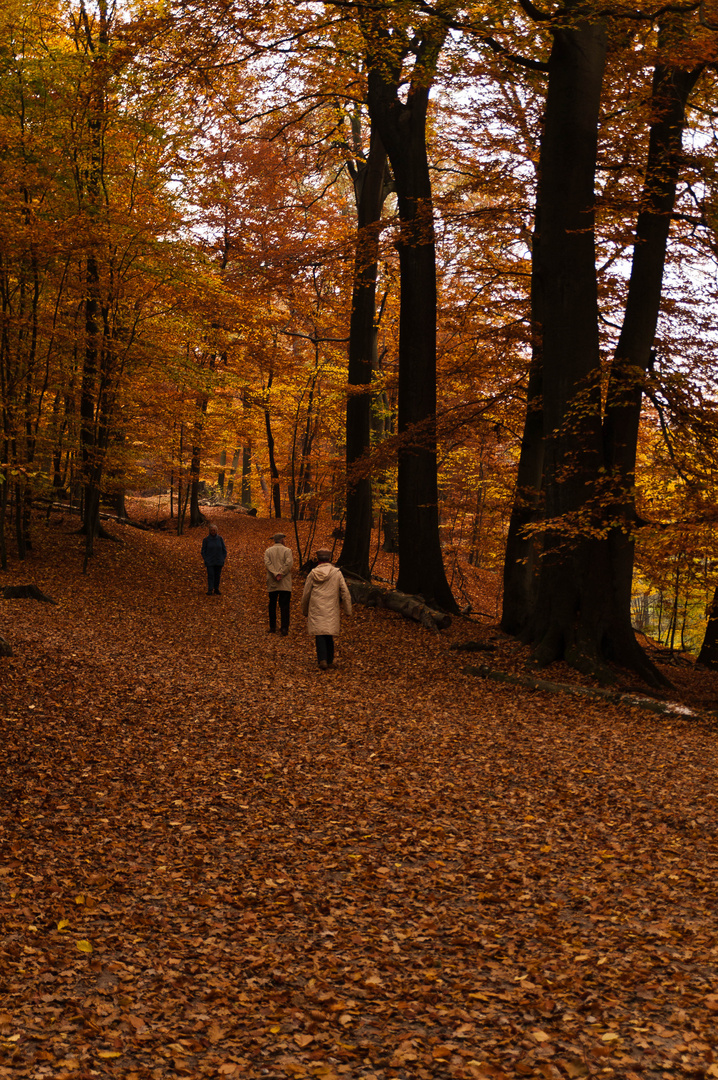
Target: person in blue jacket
x: 214, y: 553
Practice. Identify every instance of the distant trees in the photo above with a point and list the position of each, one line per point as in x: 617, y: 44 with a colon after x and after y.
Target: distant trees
x: 91, y: 247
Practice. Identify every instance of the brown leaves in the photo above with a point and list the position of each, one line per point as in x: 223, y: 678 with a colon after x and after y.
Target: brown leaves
x: 398, y: 874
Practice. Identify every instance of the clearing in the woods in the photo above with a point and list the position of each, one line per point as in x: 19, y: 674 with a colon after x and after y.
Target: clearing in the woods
x: 218, y: 861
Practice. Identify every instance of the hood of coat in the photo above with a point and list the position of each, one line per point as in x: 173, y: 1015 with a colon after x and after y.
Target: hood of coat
x: 323, y: 571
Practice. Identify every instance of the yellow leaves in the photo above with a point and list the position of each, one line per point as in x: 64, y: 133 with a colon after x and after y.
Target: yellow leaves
x: 84, y: 946
x: 63, y: 924
x: 106, y: 1055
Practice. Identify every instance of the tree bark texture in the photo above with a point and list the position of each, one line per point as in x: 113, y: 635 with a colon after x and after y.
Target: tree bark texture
x: 273, y: 470
x: 581, y: 608
x: 411, y: 607
x: 671, y: 88
x: 369, y: 186
x: 402, y: 128
x: 570, y: 615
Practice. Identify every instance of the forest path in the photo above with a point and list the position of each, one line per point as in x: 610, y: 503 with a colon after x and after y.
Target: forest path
x: 389, y: 870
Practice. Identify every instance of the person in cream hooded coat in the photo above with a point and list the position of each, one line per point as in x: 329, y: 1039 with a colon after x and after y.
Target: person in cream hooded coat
x: 325, y: 594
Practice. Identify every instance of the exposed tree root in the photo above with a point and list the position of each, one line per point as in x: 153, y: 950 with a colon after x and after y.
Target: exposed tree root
x: 25, y: 592
x: 619, y: 697
x: 102, y: 533
x: 21, y: 592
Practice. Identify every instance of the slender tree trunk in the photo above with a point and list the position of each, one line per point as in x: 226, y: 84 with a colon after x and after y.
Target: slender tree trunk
x: 19, y: 534
x: 233, y: 473
x: 90, y: 185
x: 221, y: 475
x: 671, y: 88
x: 247, y: 476
x: 523, y: 549
x: 195, y: 514
x: 273, y: 470
x: 88, y: 397
x: 370, y: 188
x: 3, y: 517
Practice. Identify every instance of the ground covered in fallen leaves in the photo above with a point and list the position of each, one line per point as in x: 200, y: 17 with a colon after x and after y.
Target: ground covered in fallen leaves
x: 218, y: 861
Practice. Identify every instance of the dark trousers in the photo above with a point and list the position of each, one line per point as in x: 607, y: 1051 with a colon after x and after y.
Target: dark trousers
x: 325, y: 648
x: 213, y: 576
x: 283, y: 596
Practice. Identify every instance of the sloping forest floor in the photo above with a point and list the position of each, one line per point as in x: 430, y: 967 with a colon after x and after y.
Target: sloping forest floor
x: 218, y: 861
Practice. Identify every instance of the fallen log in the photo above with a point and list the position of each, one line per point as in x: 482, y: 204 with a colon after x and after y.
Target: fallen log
x: 617, y: 697
x: 473, y: 646
x: 411, y: 607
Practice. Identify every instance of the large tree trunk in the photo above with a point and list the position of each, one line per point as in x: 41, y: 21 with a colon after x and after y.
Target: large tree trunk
x: 581, y: 610
x: 369, y: 186
x: 402, y: 128
x: 570, y: 614
x: 575, y: 614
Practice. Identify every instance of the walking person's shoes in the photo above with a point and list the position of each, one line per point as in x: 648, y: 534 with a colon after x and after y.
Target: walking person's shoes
x: 323, y: 665
x: 284, y: 631
x: 217, y: 592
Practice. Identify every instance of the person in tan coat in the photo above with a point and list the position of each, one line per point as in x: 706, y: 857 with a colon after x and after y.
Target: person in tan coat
x: 278, y: 560
x: 325, y: 594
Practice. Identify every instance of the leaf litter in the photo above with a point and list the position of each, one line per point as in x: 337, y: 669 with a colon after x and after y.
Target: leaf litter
x: 218, y: 861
